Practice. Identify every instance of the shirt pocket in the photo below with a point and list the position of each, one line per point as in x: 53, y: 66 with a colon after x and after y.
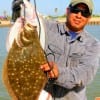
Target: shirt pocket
x: 53, y: 52
x: 74, y: 59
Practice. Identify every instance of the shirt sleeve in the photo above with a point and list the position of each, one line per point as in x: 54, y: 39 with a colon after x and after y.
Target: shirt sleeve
x: 84, y: 72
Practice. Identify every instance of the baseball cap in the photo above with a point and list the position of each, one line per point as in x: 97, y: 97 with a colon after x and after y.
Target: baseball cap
x: 89, y: 3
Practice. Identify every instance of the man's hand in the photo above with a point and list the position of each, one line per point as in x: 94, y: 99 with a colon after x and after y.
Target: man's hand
x: 51, y: 68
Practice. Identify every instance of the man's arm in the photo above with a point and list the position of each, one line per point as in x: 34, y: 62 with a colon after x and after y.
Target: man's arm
x: 84, y: 73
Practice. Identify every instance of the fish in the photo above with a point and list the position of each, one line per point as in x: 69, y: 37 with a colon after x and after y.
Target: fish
x: 22, y: 75
x: 16, y: 9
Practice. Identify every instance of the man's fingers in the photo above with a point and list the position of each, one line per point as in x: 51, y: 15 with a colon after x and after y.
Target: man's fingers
x: 51, y: 69
x: 47, y: 67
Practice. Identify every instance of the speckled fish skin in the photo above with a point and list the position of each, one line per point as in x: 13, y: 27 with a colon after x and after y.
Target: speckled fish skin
x: 24, y: 76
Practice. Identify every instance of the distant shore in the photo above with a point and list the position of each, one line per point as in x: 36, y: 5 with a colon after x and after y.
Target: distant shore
x: 5, y: 23
x: 93, y: 20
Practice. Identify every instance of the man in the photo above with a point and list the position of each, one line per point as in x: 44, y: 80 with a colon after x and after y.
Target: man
x: 73, y: 51
x: 73, y: 54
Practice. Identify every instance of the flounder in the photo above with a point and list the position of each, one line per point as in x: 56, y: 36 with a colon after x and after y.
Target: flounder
x: 22, y: 75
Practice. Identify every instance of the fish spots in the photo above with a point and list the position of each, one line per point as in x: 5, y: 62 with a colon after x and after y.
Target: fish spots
x: 23, y: 65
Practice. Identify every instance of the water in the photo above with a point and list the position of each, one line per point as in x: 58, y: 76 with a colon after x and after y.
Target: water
x: 93, y: 90
x: 3, y: 34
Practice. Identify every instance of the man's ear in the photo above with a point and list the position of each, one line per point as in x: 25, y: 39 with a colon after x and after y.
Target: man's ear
x: 67, y: 10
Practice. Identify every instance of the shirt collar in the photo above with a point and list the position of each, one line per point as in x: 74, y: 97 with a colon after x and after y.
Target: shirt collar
x: 72, y: 36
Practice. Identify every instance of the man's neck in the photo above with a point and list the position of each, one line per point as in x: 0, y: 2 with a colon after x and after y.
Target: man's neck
x: 69, y: 28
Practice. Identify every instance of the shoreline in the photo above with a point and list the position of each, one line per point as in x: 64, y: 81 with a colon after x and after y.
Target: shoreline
x: 93, y: 21
x: 5, y: 23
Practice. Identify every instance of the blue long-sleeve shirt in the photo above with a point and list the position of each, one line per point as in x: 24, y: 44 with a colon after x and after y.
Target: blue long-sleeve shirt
x: 77, y: 60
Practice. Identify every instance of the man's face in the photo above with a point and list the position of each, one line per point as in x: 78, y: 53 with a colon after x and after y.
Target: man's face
x: 77, y: 17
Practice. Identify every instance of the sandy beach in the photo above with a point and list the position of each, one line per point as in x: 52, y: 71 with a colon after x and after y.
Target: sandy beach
x: 5, y: 23
x: 93, y: 20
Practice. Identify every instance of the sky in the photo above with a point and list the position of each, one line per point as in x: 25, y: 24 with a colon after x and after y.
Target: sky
x: 47, y: 7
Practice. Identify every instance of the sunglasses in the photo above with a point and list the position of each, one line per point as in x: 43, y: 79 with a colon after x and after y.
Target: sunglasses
x: 84, y: 13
